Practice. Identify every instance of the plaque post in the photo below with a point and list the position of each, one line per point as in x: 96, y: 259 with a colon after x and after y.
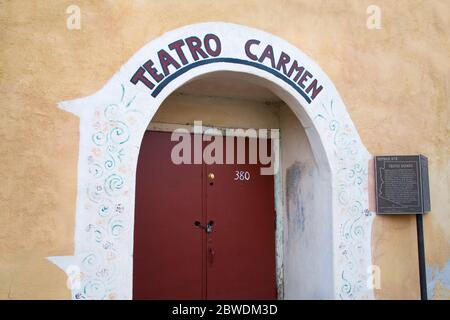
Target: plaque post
x: 421, y: 246
x: 420, y: 239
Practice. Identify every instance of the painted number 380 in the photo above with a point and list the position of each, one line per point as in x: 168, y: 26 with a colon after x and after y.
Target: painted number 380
x: 242, y: 176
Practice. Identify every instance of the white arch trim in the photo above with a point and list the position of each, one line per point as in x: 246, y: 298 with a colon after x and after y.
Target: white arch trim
x: 114, y: 119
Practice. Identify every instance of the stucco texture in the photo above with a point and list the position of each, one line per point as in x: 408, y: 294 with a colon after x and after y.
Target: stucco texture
x: 394, y: 81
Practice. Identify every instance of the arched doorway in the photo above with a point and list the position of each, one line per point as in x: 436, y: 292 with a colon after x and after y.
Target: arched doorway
x: 114, y: 120
x: 235, y: 258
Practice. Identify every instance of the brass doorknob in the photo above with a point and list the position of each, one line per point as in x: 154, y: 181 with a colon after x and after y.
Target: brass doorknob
x: 211, y: 176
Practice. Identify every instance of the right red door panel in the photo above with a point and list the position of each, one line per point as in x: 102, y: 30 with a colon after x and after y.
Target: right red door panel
x: 241, y: 246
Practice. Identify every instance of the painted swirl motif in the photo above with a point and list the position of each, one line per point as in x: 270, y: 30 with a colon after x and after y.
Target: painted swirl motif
x: 119, y: 134
x: 115, y: 155
x: 95, y: 289
x: 90, y: 261
x: 352, y: 229
x: 105, y: 209
x: 116, y: 227
x: 96, y: 170
x: 112, y: 112
x: 356, y: 209
x: 110, y: 163
x: 99, y: 234
x: 113, y: 184
x: 105, y: 274
x: 95, y: 192
x: 99, y: 138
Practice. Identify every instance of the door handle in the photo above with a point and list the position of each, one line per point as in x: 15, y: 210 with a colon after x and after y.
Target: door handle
x: 207, y: 228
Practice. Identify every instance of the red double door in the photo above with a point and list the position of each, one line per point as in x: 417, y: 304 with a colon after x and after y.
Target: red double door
x: 202, y: 231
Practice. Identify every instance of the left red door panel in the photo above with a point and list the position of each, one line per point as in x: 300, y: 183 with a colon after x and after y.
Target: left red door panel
x: 168, y: 250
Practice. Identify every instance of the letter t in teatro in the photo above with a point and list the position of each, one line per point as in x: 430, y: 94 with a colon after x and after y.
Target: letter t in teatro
x: 139, y: 76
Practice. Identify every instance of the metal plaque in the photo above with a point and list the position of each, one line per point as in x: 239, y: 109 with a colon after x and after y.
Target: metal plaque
x: 402, y: 185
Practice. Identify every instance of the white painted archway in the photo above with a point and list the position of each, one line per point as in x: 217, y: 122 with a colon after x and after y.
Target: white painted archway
x: 114, y: 119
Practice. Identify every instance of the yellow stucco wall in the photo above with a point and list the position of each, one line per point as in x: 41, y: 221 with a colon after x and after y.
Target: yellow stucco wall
x: 393, y: 80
